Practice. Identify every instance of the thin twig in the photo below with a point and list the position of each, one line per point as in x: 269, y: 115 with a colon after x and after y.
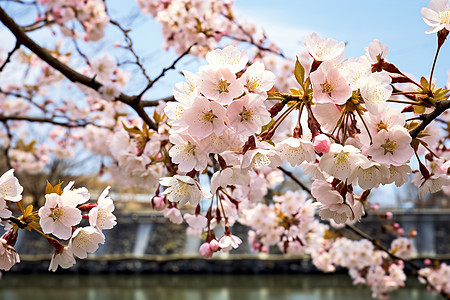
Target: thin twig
x: 163, y: 72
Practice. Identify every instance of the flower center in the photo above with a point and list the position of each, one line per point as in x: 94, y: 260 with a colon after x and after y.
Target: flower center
x: 381, y: 126
x: 253, y: 84
x: 444, y: 16
x: 189, y: 149
x: 223, y: 86
x: 260, y: 160
x: 389, y: 146
x: 341, y: 157
x: 245, y: 114
x: 327, y: 88
x: 57, y: 212
x: 209, y: 117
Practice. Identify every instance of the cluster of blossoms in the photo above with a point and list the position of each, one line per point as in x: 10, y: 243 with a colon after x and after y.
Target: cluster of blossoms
x: 10, y: 191
x: 365, y: 264
x: 290, y: 217
x: 437, y: 278
x: 59, y: 216
x: 185, y: 22
x: 91, y: 15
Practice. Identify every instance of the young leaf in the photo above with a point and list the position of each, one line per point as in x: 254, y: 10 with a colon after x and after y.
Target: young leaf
x: 299, y: 72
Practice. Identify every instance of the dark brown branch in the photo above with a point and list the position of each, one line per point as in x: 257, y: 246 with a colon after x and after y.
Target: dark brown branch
x: 6, y: 150
x: 8, y: 58
x: 163, y: 72
x: 69, y: 124
x: 441, y: 106
x: 68, y: 72
x: 146, y: 103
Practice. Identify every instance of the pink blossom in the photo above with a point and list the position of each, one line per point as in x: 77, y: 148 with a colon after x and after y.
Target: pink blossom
x: 376, y: 50
x: 229, y: 241
x: 257, y: 80
x: 437, y: 15
x: 220, y: 85
x: 391, y: 147
x: 247, y: 115
x: 196, y: 221
x: 329, y: 85
x: 86, y: 240
x: 10, y: 189
x: 59, y: 214
x: 323, y: 48
x: 205, y: 117
x: 230, y: 57
x: 101, y: 216
x: 173, y: 214
x: 8, y: 256
x: 296, y: 151
x: 63, y: 258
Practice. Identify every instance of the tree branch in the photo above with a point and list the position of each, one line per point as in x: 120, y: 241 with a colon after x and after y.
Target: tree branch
x: 441, y: 106
x: 8, y: 58
x: 68, y: 72
x: 146, y: 103
x: 74, y: 124
x: 163, y: 72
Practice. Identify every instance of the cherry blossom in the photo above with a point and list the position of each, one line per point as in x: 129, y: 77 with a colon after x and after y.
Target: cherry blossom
x: 205, y: 117
x: 247, y: 115
x: 10, y: 189
x: 59, y: 214
x: 8, y: 256
x: 437, y: 15
x: 101, y: 216
x: 391, y: 147
x: 85, y: 240
x: 329, y: 85
x: 183, y: 189
x: 323, y: 48
x: 63, y: 257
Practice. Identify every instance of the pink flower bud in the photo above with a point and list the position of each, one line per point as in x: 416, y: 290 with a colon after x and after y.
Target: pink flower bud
x: 375, y: 207
x: 427, y: 262
x: 158, y: 203
x: 214, y: 245
x: 322, y: 143
x: 205, y: 250
x: 413, y: 233
x: 400, y: 231
x: 396, y: 225
x: 389, y: 215
x: 264, y: 249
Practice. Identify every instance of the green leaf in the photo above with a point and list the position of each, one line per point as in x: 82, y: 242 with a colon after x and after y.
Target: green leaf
x: 424, y: 83
x: 299, y: 73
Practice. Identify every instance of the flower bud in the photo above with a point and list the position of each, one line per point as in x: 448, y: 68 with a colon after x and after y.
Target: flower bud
x: 322, y: 143
x: 205, y: 250
x: 214, y: 245
x: 389, y: 215
x: 158, y: 203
